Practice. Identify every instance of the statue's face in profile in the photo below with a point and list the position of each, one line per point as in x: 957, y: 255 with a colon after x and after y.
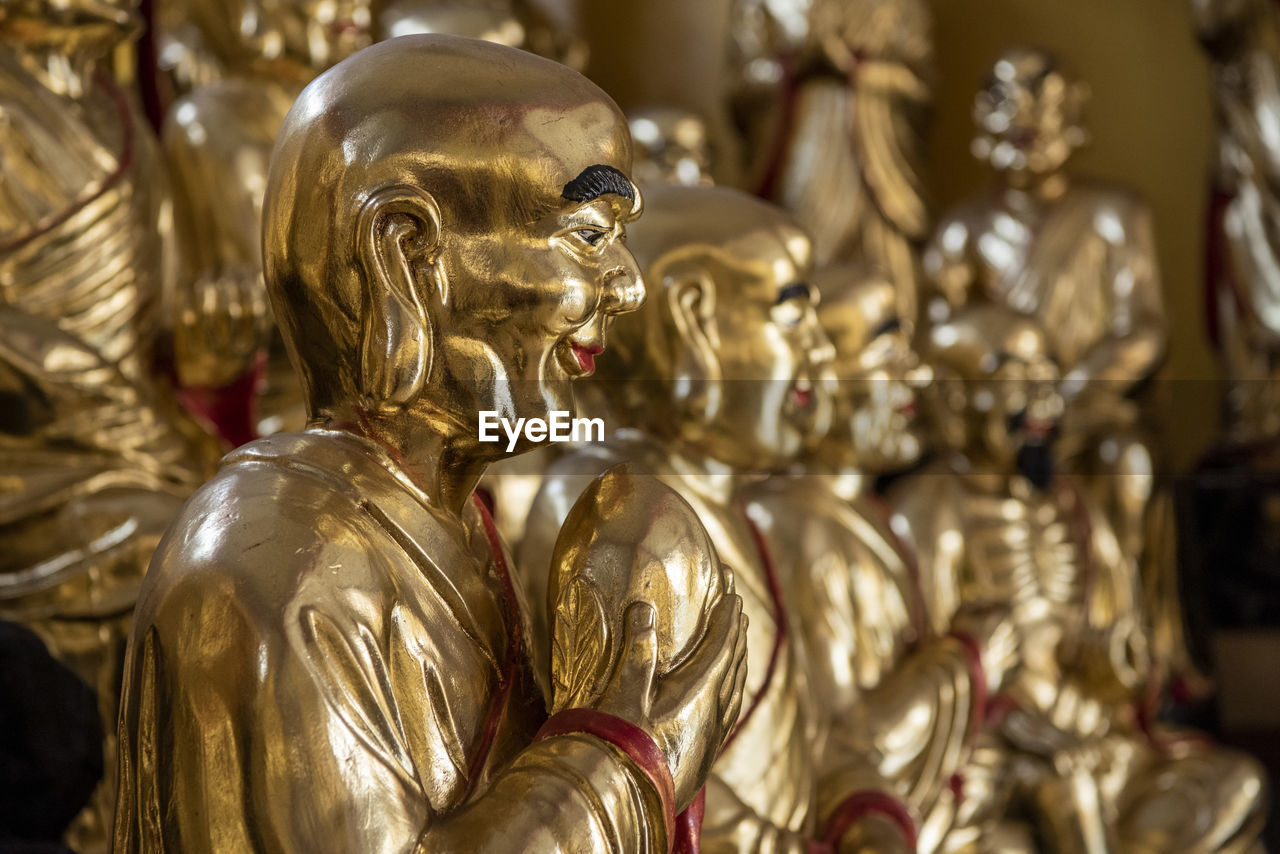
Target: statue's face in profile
x: 1028, y: 116
x: 536, y: 284
x: 878, y: 379
x: 773, y: 355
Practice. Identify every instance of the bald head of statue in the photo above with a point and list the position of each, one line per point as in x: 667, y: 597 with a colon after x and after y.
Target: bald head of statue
x: 729, y: 340
x: 443, y: 233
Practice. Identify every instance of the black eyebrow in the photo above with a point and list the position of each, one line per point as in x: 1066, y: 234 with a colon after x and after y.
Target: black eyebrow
x: 596, y: 181
x: 792, y: 291
x: 893, y: 324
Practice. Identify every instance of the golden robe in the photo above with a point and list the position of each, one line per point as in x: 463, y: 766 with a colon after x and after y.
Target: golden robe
x: 322, y: 661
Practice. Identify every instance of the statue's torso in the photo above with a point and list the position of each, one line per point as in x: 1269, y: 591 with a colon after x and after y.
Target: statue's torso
x: 305, y: 590
x: 1056, y: 261
x: 768, y: 764
x: 83, y: 208
x: 848, y: 586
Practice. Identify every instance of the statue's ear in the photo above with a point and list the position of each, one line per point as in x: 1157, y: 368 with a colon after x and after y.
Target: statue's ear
x: 691, y: 301
x: 398, y: 239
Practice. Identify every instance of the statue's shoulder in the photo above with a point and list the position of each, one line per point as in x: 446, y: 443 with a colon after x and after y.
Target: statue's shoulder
x: 1102, y: 196
x: 226, y: 116
x: 922, y: 499
x: 273, y: 527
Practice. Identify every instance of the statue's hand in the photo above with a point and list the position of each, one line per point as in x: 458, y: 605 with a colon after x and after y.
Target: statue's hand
x: 690, y: 711
x: 993, y: 628
x: 222, y: 323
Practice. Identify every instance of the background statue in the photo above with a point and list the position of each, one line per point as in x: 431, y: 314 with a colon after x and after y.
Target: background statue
x: 1078, y: 257
x: 1242, y: 39
x: 218, y: 139
x: 993, y: 522
x: 902, y: 701
x: 833, y: 97
x: 95, y: 451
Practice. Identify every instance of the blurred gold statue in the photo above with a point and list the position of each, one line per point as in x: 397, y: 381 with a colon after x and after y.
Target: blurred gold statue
x: 992, y: 525
x: 903, y: 697
x: 96, y: 455
x: 1242, y: 39
x: 718, y: 382
x: 517, y: 23
x: 672, y: 145
x: 218, y: 139
x: 1076, y: 255
x: 834, y: 97
x: 330, y: 650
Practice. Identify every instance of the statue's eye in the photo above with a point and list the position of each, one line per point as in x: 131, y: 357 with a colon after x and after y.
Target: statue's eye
x: 591, y: 235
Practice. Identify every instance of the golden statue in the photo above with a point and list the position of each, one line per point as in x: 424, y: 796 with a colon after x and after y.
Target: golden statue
x: 1243, y: 44
x: 718, y: 380
x: 96, y: 454
x: 516, y: 23
x: 991, y: 524
x: 904, y: 697
x: 218, y: 139
x: 1076, y: 255
x: 834, y: 97
x: 672, y: 145
x: 329, y: 653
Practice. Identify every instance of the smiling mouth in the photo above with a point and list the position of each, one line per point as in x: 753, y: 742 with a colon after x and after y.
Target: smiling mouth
x: 586, y: 356
x: 802, y: 393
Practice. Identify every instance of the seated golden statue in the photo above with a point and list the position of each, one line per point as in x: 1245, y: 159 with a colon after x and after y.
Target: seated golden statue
x: 218, y: 140
x: 330, y: 650
x: 672, y: 145
x: 992, y: 523
x: 718, y: 379
x: 1076, y: 255
x: 1242, y: 40
x: 96, y: 454
x: 517, y: 23
x: 902, y: 698
x: 834, y: 97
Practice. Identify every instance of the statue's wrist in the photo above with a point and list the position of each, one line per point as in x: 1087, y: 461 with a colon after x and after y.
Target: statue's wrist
x: 864, y: 804
x: 628, y: 739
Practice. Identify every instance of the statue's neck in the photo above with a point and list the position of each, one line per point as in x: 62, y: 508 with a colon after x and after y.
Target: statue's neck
x: 708, y: 476
x: 430, y: 452
x: 850, y: 484
x: 844, y: 479
x: 1033, y: 191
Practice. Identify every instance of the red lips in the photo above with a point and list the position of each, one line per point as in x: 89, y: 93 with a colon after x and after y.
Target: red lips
x: 586, y: 356
x: 803, y: 396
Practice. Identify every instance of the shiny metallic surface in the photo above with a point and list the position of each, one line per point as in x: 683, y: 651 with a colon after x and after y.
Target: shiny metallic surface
x: 991, y: 529
x: 900, y: 700
x: 1242, y: 40
x: 835, y: 97
x: 96, y: 455
x: 742, y: 378
x: 330, y: 649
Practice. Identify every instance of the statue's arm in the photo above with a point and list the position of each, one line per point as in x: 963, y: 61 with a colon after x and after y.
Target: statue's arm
x: 731, y: 825
x: 948, y: 263
x: 569, y: 793
x: 218, y: 166
x: 1138, y: 332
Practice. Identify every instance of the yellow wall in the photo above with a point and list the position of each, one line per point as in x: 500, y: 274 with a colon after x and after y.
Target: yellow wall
x: 1151, y: 118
